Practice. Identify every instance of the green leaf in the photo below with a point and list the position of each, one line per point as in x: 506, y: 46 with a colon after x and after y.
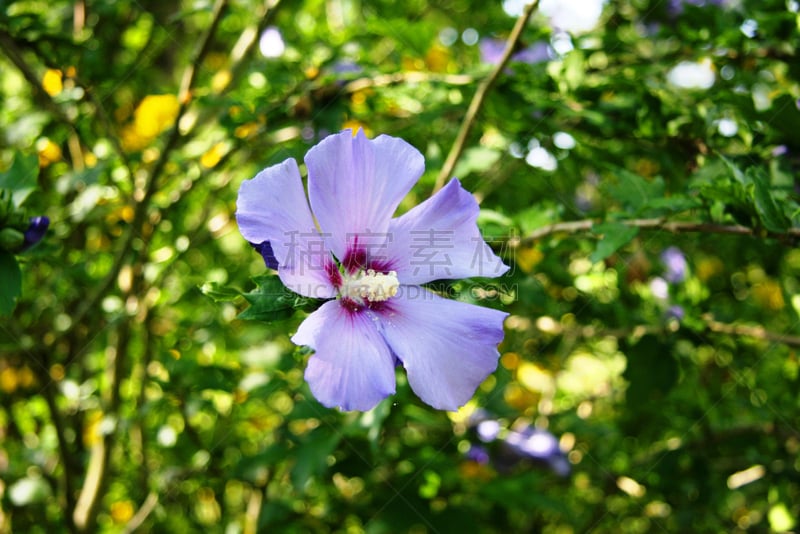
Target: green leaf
x: 11, y: 288
x: 614, y: 236
x: 634, y: 191
x: 651, y: 372
x: 538, y: 216
x: 477, y: 159
x: 311, y: 457
x: 254, y: 469
x: 673, y: 204
x: 272, y: 301
x: 768, y: 210
x: 219, y: 293
x: 735, y: 171
x: 20, y: 178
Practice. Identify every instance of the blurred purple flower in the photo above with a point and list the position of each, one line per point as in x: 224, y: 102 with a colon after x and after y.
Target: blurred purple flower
x: 371, y: 267
x: 346, y: 67
x: 675, y: 7
x: 511, y: 447
x: 478, y: 453
x: 492, y: 52
x: 675, y: 312
x: 780, y: 150
x: 37, y: 228
x: 675, y: 263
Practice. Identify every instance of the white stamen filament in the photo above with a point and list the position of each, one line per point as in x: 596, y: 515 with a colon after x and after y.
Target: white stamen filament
x: 370, y: 285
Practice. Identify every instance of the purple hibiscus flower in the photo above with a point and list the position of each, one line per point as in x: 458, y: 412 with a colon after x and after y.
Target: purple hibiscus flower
x: 371, y: 267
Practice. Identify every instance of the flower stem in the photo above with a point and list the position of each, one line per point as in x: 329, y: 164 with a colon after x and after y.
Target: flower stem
x: 480, y: 97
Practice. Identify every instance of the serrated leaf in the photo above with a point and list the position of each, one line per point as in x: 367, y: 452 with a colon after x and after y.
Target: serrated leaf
x: 735, y: 171
x: 272, y: 301
x: 538, y: 216
x: 615, y: 235
x: 634, y: 191
x: 20, y: 178
x: 674, y: 204
x: 312, y: 455
x: 768, y: 210
x: 219, y: 293
x: 11, y: 286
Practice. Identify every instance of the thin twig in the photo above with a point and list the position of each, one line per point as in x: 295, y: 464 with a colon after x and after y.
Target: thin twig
x: 480, y: 96
x: 12, y: 51
x: 584, y: 225
x: 637, y: 331
x: 384, y: 80
x: 756, y: 332
x: 144, y: 511
x: 98, y: 473
x: 140, y: 209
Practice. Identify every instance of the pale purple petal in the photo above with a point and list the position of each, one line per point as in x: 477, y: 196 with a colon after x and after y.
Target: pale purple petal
x: 352, y: 366
x: 273, y: 207
x: 447, y: 347
x: 439, y: 239
x: 355, y: 184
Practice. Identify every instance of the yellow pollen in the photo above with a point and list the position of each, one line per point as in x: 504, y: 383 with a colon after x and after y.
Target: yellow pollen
x: 371, y: 286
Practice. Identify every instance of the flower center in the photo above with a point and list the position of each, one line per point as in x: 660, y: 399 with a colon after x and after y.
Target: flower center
x: 370, y: 285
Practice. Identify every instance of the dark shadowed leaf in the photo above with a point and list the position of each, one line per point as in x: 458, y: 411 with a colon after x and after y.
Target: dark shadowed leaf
x: 614, y: 235
x: 11, y: 286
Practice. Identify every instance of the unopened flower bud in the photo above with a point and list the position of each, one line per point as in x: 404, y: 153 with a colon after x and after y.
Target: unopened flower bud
x: 11, y: 239
x: 36, y: 230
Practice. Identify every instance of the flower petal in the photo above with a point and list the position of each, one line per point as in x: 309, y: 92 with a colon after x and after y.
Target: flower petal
x: 272, y: 207
x: 352, y: 366
x: 355, y: 184
x: 439, y: 239
x: 447, y: 347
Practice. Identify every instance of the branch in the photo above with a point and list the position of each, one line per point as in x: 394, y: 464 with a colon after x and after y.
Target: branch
x: 384, y: 80
x: 140, y: 209
x: 636, y: 331
x: 676, y: 227
x: 12, y: 51
x: 757, y: 332
x: 480, y: 96
x: 85, y: 513
x: 139, y: 517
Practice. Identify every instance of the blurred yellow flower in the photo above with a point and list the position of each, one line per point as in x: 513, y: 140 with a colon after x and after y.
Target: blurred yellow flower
x: 437, y: 59
x: 155, y: 114
x: 221, y: 80
x: 535, y: 379
x: 49, y: 152
x: 354, y: 125
x: 26, y: 377
x: 91, y: 432
x: 246, y: 130
x: 52, y: 82
x: 121, y: 511
x: 8, y: 380
x: 528, y: 258
x: 212, y: 156
x: 769, y: 295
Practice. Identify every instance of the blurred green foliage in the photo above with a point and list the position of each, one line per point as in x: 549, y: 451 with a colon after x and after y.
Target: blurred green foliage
x: 131, y: 400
